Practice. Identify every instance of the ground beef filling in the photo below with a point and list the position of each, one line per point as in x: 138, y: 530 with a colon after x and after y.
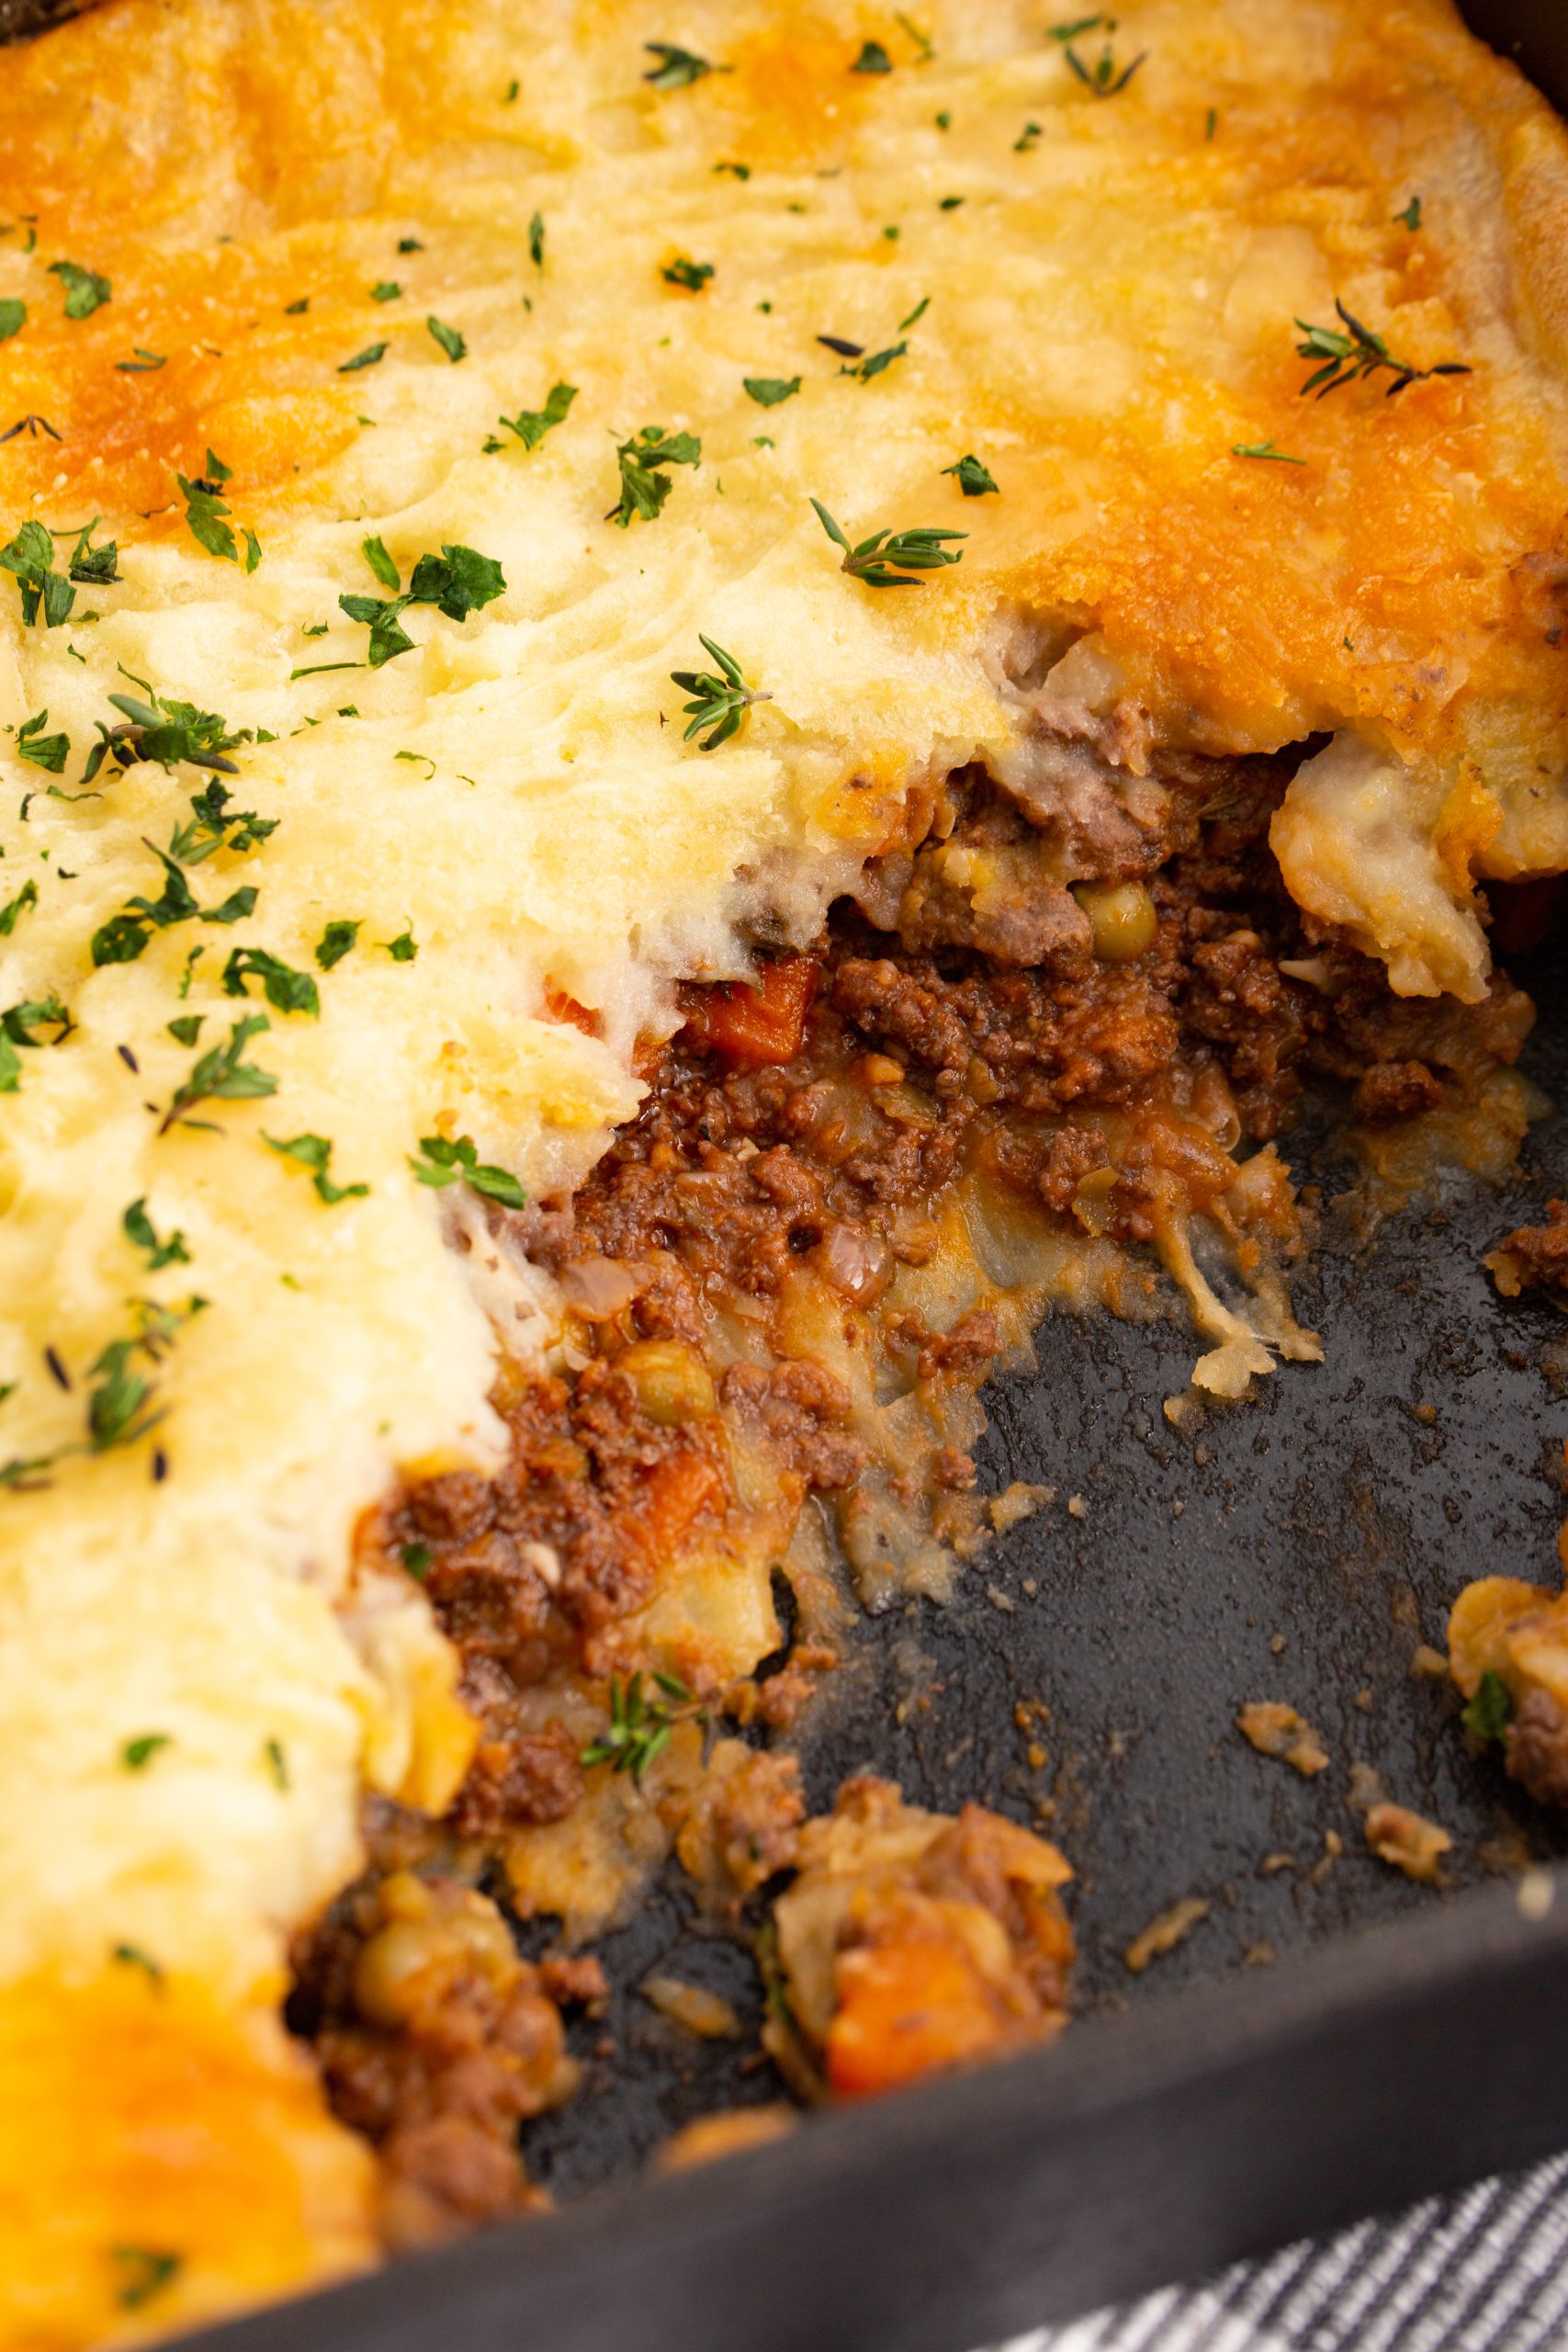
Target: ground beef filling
x: 967, y: 1010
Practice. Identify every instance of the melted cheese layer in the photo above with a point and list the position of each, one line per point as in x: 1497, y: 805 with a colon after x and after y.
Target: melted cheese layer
x: 1093, y: 296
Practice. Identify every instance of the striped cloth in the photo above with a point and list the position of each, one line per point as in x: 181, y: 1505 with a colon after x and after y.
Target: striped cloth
x: 1483, y: 2272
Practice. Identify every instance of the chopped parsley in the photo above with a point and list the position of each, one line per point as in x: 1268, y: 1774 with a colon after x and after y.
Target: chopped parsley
x: 405, y: 949
x: 950, y: 203
x: 297, y: 310
x: 921, y: 550
x: 410, y: 245
x: 84, y: 290
x: 13, y: 317
x: 1491, y: 1710
x: 691, y: 274
x: 738, y: 171
x: 185, y: 1027
x: 531, y: 424
x: 451, y: 341
x: 417, y: 1558
x: 719, y: 703
x: 877, y: 365
x: 31, y: 557
x: 768, y: 391
x: 1027, y: 138
x: 1411, y: 217
x: 14, y: 909
x: 92, y: 567
x: 143, y: 2271
x: 222, y: 1075
x: 1357, y: 353
x: 873, y: 59
x: 315, y: 1153
x: 335, y: 943
x: 644, y: 485
x: 441, y: 1163
x: 144, y: 363
x: 137, y: 1753
x: 123, y: 938
x: 371, y: 356
x: 678, y: 68
x: 39, y: 750
x: 16, y: 1028
x: 214, y: 826
x: 1265, y: 449
x: 286, y: 990
x: 140, y: 1231
x: 536, y: 241
x: 207, y: 515
x: 132, y: 1956
x: 973, y: 479
x: 458, y: 582
x: 386, y: 289
x: 276, y: 1762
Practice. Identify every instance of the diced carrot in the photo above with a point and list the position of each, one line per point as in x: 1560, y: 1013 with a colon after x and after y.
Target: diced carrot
x: 905, y: 2009
x: 754, y: 1025
x: 562, y: 1007
x: 682, y: 1488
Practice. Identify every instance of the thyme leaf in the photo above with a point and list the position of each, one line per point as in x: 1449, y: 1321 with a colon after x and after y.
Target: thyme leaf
x: 678, y: 68
x: 440, y: 1163
x: 644, y: 485
x: 640, y: 1724
x: 1357, y: 352
x: 315, y: 1153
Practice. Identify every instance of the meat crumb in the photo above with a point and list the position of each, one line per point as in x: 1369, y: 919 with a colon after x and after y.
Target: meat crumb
x: 1272, y: 1864
x: 1411, y: 1844
x: 1164, y: 1933
x: 1275, y: 1729
x: 1261, y: 1954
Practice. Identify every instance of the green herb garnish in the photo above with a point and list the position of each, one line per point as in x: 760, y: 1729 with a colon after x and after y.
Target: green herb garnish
x: 145, y: 363
x: 42, y: 751
x: 691, y: 274
x: 137, y: 1753
x: 768, y: 391
x: 371, y: 356
x: 13, y: 317
x: 1265, y: 449
x: 1491, y: 1710
x: 719, y: 703
x: 536, y: 241
x: 15, y: 909
x: 335, y: 943
x: 678, y: 68
x: 386, y: 289
x: 531, y: 424
x: 458, y: 582
x: 276, y: 1762
x: 640, y: 1726
x: 315, y: 1153
x: 222, y: 1075
x: 31, y: 557
x: 84, y: 290
x: 873, y: 59
x: 1411, y: 217
x: 144, y: 2270
x: 207, y: 515
x: 973, y: 480
x: 440, y: 1163
x: 405, y: 949
x: 141, y: 1233
x: 644, y: 486
x: 921, y: 550
x: 451, y: 341
x: 1356, y: 353
x: 286, y: 990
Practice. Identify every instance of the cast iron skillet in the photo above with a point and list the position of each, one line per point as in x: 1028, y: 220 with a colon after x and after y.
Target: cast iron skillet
x: 1307, y: 2070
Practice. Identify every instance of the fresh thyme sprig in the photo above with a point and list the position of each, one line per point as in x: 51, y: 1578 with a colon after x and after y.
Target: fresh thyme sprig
x: 640, y: 1726
x: 1346, y: 358
x: 721, y: 701
x: 917, y: 551
x: 121, y: 1403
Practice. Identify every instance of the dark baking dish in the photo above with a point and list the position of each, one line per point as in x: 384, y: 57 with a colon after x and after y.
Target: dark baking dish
x: 1402, y: 2044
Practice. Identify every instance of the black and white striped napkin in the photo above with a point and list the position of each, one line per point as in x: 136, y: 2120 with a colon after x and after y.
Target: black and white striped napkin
x: 1483, y: 2272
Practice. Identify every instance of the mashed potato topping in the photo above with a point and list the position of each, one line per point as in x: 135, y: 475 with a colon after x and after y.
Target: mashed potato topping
x: 564, y: 329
